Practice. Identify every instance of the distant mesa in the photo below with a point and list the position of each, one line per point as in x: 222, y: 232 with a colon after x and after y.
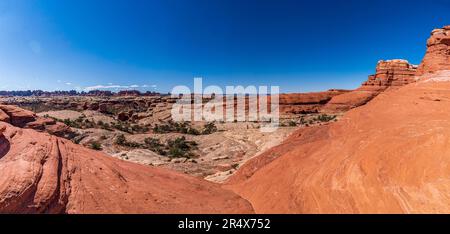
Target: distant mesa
x: 99, y: 93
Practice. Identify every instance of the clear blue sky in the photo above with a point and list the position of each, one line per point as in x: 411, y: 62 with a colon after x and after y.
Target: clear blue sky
x: 157, y: 44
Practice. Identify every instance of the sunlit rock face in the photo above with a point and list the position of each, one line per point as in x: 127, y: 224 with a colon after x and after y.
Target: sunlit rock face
x: 388, y: 156
x: 389, y: 74
x: 437, y: 57
x: 397, y: 72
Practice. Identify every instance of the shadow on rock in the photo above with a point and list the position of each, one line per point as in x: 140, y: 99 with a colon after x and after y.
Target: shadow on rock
x: 4, y: 146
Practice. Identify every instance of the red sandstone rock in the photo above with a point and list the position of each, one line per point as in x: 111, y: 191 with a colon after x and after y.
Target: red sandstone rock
x: 304, y: 103
x: 60, y: 130
x: 389, y: 74
x: 123, y: 116
x: 94, y: 106
x: 389, y: 156
x: 27, y: 119
x: 18, y: 117
x: 308, y: 98
x: 437, y: 56
x: 4, y: 117
x: 397, y: 72
x: 40, y: 123
x: 40, y: 173
x: 103, y: 107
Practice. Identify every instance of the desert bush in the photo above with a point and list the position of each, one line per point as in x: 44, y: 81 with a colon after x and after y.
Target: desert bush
x: 326, y: 118
x: 95, y: 145
x: 209, y: 128
x: 184, y: 128
x: 180, y: 147
x: 120, y: 140
x: 292, y: 123
x: 193, y: 131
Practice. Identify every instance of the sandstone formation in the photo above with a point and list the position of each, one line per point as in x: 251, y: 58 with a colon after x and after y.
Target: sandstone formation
x: 437, y: 57
x: 397, y: 72
x: 389, y: 156
x: 305, y: 103
x: 26, y: 119
x: 389, y: 74
x: 41, y: 173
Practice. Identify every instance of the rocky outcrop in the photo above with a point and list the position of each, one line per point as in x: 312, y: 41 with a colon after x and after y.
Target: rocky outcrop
x: 17, y: 116
x: 4, y: 117
x: 26, y: 119
x: 41, y: 173
x: 305, y: 103
x: 397, y: 72
x: 437, y: 57
x: 389, y: 74
x: 389, y: 156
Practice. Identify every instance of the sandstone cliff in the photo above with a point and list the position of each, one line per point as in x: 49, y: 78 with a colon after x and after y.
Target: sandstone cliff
x: 389, y: 74
x: 437, y: 57
x: 388, y: 156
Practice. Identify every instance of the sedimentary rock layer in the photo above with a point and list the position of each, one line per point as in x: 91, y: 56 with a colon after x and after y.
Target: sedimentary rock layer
x: 389, y: 74
x: 389, y: 156
x: 41, y: 173
x: 437, y: 57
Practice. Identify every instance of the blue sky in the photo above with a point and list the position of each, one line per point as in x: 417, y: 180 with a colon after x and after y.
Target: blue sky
x: 155, y: 45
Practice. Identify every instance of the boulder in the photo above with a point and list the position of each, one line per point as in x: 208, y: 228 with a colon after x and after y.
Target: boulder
x: 123, y: 116
x: 18, y: 116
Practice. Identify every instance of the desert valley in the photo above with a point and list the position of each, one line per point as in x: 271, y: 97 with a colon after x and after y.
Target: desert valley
x: 381, y: 148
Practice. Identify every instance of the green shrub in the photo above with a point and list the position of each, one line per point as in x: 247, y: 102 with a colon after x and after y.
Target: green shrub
x: 209, y: 128
x: 180, y: 147
x: 326, y: 118
x: 193, y: 131
x: 120, y: 140
x: 96, y: 145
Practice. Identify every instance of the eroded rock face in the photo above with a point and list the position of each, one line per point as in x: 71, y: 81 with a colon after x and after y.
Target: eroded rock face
x: 437, y: 56
x: 389, y: 74
x: 4, y: 117
x: 26, y: 119
x: 304, y: 103
x: 41, y: 173
x: 18, y: 116
x: 388, y: 156
x: 397, y: 72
